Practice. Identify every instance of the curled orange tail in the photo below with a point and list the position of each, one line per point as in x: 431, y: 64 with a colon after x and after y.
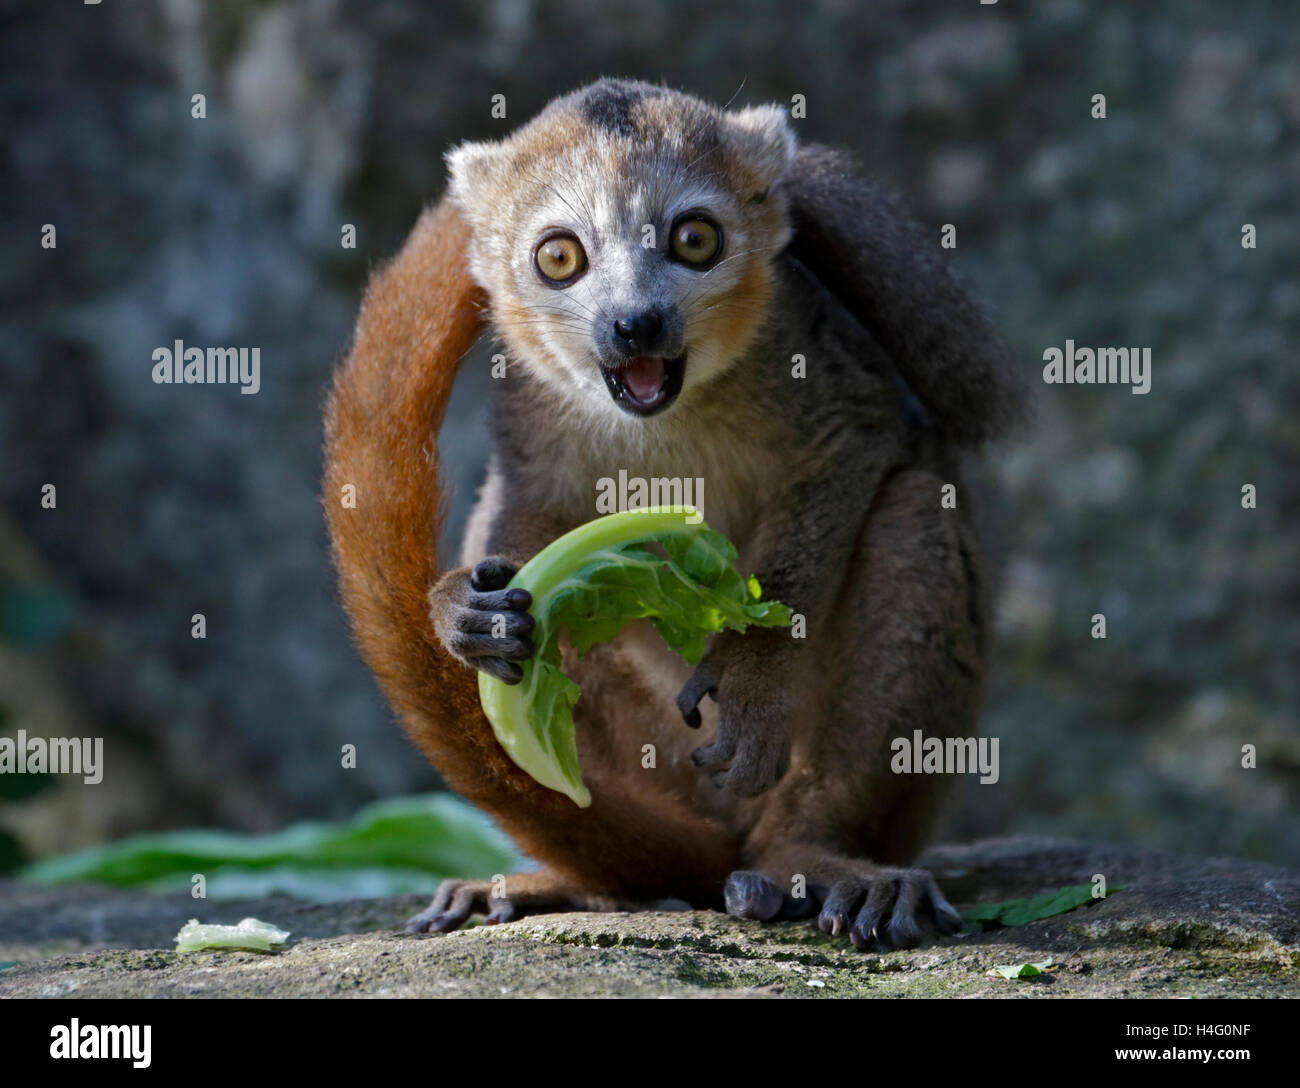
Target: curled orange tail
x: 421, y: 315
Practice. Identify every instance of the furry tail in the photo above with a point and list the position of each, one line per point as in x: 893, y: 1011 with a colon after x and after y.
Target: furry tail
x: 421, y: 315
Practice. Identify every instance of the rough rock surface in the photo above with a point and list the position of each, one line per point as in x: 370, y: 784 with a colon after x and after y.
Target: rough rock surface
x: 1181, y: 927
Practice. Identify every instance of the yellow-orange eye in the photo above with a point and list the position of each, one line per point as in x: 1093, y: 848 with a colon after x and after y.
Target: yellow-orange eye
x: 696, y: 241
x: 561, y: 257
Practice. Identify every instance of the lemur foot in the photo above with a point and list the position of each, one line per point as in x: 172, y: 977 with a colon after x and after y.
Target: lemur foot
x: 879, y: 909
x: 524, y: 893
x: 480, y: 622
x: 884, y: 907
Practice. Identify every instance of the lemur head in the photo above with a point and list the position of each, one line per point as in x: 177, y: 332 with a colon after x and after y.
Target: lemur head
x: 625, y: 238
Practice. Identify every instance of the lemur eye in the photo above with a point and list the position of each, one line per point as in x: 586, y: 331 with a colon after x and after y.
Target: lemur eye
x: 561, y: 258
x: 696, y: 241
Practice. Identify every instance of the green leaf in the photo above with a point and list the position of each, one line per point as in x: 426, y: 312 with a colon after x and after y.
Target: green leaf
x: 1016, y: 912
x: 660, y: 564
x: 389, y: 848
x: 1023, y: 970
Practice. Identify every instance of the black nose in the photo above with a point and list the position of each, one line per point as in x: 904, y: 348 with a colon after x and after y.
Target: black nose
x: 640, y: 330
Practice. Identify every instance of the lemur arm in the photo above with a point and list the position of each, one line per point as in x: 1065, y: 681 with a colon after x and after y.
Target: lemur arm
x: 857, y: 243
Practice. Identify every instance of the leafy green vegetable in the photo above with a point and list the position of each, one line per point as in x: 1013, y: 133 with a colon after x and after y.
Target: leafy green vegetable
x: 251, y: 933
x: 1024, y: 970
x: 591, y: 582
x: 1016, y: 912
x: 396, y: 846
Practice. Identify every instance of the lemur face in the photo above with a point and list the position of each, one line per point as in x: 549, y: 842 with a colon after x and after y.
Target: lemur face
x: 625, y: 239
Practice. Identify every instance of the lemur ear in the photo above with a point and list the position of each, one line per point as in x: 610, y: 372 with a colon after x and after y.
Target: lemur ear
x: 763, y: 139
x: 472, y: 166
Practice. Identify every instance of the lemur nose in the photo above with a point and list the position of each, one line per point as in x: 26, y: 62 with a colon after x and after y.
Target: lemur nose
x: 639, y: 330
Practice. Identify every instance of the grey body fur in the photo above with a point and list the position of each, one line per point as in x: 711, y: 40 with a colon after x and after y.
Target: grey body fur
x: 829, y: 485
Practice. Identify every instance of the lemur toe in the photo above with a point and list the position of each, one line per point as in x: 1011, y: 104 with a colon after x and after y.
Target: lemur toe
x: 866, y: 927
x: 752, y: 895
x: 757, y: 768
x: 474, y: 647
x: 484, y: 621
x: 505, y: 671
x: 723, y: 749
x: 500, y: 600
x: 837, y: 905
x: 947, y: 919
x: 503, y: 910
x: 452, y: 905
x: 797, y: 909
x: 492, y: 573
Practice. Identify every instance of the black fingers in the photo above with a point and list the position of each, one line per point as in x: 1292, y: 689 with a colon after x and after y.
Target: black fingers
x: 946, y: 917
x: 884, y: 909
x: 866, y: 926
x: 503, y: 910
x: 760, y: 764
x: 879, y: 910
x: 512, y: 649
x: 703, y: 681
x: 504, y: 621
x: 752, y: 895
x: 474, y: 647
x: 723, y: 748
x: 902, y: 930
x: 451, y: 906
x: 505, y: 671
x: 840, y: 902
x: 803, y: 907
x: 492, y: 573
x: 493, y: 625
x: 500, y: 600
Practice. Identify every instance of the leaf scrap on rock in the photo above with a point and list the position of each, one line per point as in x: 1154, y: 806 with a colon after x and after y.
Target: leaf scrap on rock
x: 1018, y: 912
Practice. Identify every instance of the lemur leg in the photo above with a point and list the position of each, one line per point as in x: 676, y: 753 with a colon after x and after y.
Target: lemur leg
x: 904, y: 653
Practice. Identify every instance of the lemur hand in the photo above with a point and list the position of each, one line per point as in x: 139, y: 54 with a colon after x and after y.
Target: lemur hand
x: 480, y: 622
x: 744, y: 674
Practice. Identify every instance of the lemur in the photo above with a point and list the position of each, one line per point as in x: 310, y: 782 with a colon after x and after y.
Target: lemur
x: 682, y: 291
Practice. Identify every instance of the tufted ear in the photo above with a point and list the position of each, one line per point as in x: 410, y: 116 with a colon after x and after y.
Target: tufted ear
x: 761, y: 137
x: 473, y: 166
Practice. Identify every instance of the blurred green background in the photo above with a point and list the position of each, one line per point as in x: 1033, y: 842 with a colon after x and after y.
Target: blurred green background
x: 226, y: 230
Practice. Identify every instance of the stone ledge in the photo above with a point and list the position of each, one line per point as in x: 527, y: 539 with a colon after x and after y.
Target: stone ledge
x: 1182, y: 926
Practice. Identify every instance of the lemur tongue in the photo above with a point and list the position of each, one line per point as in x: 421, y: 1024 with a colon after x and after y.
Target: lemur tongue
x: 644, y: 377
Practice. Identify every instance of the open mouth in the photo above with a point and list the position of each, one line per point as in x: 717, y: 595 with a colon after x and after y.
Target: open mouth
x: 646, y: 384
